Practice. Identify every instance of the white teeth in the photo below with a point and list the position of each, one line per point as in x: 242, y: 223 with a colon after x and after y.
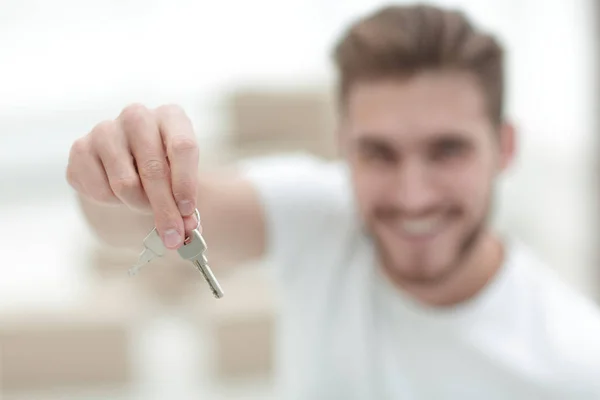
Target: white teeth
x: 419, y: 227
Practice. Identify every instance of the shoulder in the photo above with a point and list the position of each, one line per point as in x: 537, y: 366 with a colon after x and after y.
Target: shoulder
x: 301, y: 184
x: 568, y: 320
x: 308, y: 205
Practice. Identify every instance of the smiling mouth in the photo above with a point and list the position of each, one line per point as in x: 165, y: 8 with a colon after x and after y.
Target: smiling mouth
x: 419, y: 228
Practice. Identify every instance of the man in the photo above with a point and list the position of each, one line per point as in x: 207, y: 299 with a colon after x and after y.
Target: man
x: 394, y: 285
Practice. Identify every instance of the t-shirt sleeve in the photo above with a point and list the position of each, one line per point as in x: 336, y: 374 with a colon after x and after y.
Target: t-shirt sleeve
x: 304, y: 199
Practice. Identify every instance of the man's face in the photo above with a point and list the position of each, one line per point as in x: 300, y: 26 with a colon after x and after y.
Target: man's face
x: 424, y: 156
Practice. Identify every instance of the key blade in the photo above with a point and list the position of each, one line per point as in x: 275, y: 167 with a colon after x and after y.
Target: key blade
x: 145, y: 257
x: 194, y: 251
x: 209, y: 277
x: 154, y: 243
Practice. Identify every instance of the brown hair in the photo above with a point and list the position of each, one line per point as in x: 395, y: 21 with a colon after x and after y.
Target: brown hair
x: 397, y: 41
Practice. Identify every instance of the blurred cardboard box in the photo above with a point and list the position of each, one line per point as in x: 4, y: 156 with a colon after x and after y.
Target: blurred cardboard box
x: 263, y: 122
x: 245, y: 347
x: 242, y: 327
x: 47, y: 350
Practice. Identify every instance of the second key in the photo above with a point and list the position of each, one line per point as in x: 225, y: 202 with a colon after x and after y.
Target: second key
x: 193, y: 249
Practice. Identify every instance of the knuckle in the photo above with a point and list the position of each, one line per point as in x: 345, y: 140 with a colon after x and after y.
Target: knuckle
x: 183, y: 144
x: 80, y: 147
x: 133, y: 115
x: 182, y: 189
x: 125, y: 185
x: 104, y: 128
x: 102, y: 132
x: 170, y: 109
x: 154, y: 169
x: 134, y: 110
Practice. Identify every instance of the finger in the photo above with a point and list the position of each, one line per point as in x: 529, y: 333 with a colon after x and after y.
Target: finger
x: 113, y: 150
x: 79, y: 151
x: 190, y: 223
x: 86, y: 174
x: 146, y: 146
x: 180, y: 144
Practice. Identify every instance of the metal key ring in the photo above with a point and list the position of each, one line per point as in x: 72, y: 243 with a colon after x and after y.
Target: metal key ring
x: 197, y: 214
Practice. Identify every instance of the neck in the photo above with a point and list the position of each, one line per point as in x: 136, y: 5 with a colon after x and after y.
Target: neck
x: 465, y: 282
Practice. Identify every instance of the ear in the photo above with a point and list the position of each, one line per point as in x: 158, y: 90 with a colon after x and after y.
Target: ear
x: 507, y: 144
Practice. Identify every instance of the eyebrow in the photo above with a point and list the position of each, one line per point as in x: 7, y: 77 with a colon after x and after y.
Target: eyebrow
x: 375, y: 140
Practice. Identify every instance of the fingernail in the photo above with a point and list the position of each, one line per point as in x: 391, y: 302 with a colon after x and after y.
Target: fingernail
x: 172, y: 238
x: 186, y: 207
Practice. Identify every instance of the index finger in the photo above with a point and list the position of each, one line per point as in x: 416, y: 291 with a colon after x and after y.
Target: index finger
x: 146, y: 146
x: 182, y: 151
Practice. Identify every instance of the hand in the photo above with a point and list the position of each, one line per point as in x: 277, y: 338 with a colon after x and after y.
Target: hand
x: 146, y: 160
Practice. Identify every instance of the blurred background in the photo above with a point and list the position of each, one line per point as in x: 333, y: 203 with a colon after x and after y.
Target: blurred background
x: 255, y: 77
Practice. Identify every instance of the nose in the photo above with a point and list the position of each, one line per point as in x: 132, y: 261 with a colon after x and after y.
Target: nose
x: 415, y: 192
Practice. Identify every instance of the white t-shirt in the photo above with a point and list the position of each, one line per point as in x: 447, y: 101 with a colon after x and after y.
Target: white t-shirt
x: 346, y: 333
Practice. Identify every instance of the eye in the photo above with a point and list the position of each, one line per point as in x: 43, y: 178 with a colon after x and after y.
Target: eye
x: 449, y: 149
x: 378, y: 153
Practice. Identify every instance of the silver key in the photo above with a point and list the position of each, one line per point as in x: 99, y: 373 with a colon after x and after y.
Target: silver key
x: 153, y: 248
x: 193, y: 249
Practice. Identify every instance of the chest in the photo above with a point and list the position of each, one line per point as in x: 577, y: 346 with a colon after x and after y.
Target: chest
x: 344, y: 341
